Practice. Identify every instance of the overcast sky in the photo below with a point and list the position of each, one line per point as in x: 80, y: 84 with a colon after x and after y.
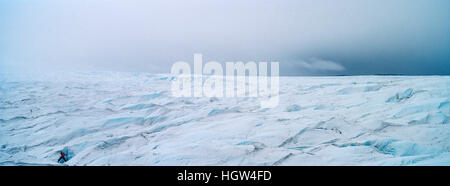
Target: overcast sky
x: 307, y: 37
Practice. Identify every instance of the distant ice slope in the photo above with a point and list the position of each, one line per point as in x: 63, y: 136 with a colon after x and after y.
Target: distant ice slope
x: 130, y: 119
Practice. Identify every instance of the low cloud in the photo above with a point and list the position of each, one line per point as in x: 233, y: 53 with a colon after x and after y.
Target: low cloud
x: 317, y: 64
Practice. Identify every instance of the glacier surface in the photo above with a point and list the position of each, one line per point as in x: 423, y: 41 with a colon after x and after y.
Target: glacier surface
x: 111, y: 118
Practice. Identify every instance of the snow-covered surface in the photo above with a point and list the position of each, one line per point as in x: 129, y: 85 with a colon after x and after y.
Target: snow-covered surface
x: 130, y: 119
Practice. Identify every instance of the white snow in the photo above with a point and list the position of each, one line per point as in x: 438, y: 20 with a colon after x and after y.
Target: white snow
x: 108, y: 118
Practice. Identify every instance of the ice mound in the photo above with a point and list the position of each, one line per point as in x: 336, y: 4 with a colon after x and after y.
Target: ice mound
x: 402, y: 96
x: 109, y: 118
